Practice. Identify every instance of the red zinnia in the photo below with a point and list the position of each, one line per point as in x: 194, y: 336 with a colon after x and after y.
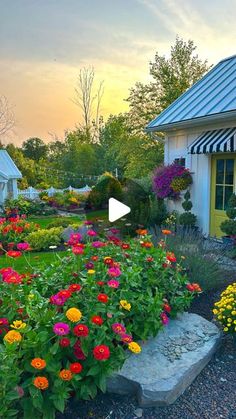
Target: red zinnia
x: 103, y: 298
x: 14, y: 253
x: 81, y: 330
x: 64, y: 342
x: 101, y: 352
x: 167, y: 308
x: 74, y: 287
x: 171, y: 257
x: 76, y: 368
x: 100, y: 283
x: 97, y: 320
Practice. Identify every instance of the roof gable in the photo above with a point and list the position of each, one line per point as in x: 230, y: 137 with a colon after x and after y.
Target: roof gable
x: 214, y: 93
x: 8, y: 168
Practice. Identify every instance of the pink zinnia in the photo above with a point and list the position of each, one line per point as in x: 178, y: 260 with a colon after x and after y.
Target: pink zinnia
x: 23, y: 246
x: 98, y: 244
x: 77, y: 250
x: 58, y: 300
x: 118, y: 328
x: 114, y: 230
x: 126, y: 338
x: 164, y: 318
x: 61, y: 329
x: 74, y: 238
x: 114, y: 271
x: 113, y: 283
x: 91, y: 233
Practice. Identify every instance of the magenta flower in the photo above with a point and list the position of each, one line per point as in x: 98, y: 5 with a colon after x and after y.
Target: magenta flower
x: 98, y: 244
x: 114, y: 271
x: 126, y: 338
x: 77, y: 250
x: 114, y: 230
x: 164, y: 318
x: 88, y: 223
x: 89, y: 265
x: 58, y: 300
x: 23, y: 246
x: 74, y: 238
x: 91, y: 233
x: 61, y: 329
x: 118, y: 328
x: 113, y: 283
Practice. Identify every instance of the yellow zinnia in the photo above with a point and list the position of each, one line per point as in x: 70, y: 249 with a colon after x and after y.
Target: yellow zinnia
x: 91, y: 271
x: 12, y: 336
x: 73, y: 314
x: 18, y: 324
x: 124, y: 304
x: 134, y: 347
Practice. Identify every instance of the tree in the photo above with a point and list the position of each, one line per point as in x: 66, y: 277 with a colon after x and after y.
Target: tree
x: 89, y: 101
x: 7, y: 120
x: 34, y: 148
x: 171, y: 77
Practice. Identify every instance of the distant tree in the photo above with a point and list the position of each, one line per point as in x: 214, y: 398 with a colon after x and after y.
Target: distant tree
x: 34, y: 148
x: 7, y: 119
x: 170, y: 78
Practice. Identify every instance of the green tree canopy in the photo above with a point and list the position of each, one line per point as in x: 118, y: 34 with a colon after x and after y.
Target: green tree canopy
x: 34, y: 148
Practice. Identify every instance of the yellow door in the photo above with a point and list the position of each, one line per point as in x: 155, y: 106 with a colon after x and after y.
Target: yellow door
x: 223, y: 181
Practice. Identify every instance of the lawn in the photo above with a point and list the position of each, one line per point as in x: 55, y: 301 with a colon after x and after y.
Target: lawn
x: 32, y: 261
x: 75, y: 219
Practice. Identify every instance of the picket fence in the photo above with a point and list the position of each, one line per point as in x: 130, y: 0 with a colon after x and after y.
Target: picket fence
x: 32, y: 193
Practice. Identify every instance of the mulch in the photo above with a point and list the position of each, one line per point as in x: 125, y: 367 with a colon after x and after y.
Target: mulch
x: 211, y: 396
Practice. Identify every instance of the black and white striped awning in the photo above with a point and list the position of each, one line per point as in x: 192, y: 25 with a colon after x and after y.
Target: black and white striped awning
x: 217, y: 141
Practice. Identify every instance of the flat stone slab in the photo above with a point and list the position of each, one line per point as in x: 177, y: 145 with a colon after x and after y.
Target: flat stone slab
x: 168, y: 363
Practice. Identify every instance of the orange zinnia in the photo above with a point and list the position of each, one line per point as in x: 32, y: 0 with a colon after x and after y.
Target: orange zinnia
x: 141, y: 232
x: 65, y: 375
x: 41, y: 383
x: 38, y: 363
x: 166, y: 232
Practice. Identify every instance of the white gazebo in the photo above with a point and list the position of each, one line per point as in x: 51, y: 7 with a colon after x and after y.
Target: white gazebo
x: 9, y: 174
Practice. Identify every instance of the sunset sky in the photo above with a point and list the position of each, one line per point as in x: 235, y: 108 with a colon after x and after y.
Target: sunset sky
x: 44, y: 43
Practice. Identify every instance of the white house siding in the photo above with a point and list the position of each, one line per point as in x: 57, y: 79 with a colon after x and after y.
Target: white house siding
x: 176, y: 143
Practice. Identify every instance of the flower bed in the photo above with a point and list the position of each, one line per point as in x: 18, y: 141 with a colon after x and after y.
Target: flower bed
x: 225, y: 309
x: 14, y: 230
x: 67, y: 328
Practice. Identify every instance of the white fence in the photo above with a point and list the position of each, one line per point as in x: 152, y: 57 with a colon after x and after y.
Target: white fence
x: 32, y: 193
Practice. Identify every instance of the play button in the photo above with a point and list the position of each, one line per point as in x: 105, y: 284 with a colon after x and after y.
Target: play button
x: 116, y: 210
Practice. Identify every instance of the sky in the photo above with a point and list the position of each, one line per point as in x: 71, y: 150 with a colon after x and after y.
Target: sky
x: 45, y: 43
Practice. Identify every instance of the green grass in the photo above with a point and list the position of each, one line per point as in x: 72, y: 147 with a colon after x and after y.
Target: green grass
x: 35, y: 260
x: 77, y: 219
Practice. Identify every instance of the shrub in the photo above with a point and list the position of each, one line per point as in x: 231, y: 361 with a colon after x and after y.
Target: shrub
x: 78, y: 317
x: 107, y: 186
x: 42, y: 239
x: 229, y: 226
x: 225, y: 309
x: 187, y: 219
x: 169, y: 180
x: 25, y: 206
x: 60, y: 222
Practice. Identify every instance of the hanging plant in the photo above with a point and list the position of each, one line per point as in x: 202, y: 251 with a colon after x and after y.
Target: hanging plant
x: 169, y: 181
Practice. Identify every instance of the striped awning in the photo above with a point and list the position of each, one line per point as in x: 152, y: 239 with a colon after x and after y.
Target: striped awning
x: 217, y: 141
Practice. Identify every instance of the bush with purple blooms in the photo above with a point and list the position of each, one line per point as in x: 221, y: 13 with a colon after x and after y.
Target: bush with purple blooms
x: 169, y: 180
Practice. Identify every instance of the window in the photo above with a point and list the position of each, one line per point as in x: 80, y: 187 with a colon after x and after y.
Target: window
x: 224, y: 182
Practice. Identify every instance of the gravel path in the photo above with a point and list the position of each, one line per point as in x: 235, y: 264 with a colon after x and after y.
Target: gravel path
x: 211, y: 396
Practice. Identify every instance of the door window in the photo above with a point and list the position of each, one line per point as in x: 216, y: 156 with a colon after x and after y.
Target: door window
x: 224, y: 182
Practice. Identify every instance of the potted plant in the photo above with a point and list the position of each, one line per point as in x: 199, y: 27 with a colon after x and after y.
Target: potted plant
x: 169, y: 181
x: 229, y: 226
x: 187, y: 219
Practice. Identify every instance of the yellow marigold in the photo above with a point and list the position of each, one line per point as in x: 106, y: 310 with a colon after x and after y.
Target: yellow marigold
x: 65, y: 375
x: 41, y: 383
x: 73, y: 314
x: 18, y: 324
x: 124, y: 304
x: 134, y: 347
x: 91, y: 271
x: 12, y: 336
x: 38, y: 363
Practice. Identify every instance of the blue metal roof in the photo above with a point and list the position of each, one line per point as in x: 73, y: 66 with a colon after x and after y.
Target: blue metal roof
x: 214, y: 94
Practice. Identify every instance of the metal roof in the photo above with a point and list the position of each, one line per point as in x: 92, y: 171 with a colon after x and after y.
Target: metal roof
x: 8, y: 168
x: 213, y: 94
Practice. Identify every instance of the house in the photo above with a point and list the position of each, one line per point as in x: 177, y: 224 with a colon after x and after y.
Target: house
x: 200, y: 133
x: 8, y: 177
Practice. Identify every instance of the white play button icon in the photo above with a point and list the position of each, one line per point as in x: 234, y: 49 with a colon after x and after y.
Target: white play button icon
x: 116, y: 210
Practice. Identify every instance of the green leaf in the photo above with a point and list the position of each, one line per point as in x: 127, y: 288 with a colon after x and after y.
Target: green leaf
x: 59, y: 404
x: 94, y: 370
x: 54, y: 348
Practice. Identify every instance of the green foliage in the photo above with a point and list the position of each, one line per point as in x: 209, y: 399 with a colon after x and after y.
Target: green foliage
x: 187, y: 219
x: 60, y: 222
x: 34, y: 148
x: 107, y: 187
x: 25, y: 206
x: 12, y: 233
x: 42, y: 239
x: 229, y: 226
x: 137, y: 303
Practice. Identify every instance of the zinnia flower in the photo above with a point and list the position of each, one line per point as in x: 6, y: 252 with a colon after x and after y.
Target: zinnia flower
x: 65, y: 375
x: 167, y: 307
x: 91, y: 233
x: 74, y: 287
x: 18, y: 324
x: 12, y: 336
x: 14, y: 253
x: 81, y: 330
x: 78, y: 353
x: 134, y: 347
x: 38, y: 363
x: 76, y: 368
x: 124, y: 304
x: 41, y: 383
x: 23, y: 246
x: 166, y: 232
x: 64, y: 342
x: 98, y: 244
x: 103, y: 298
x: 164, y: 318
x: 58, y: 300
x: 97, y: 320
x: 61, y: 329
x: 108, y: 260
x: 171, y: 257
x: 73, y: 314
x: 118, y: 328
x: 126, y: 338
x: 113, y: 283
x: 77, y: 250
x: 101, y: 352
x: 114, y: 271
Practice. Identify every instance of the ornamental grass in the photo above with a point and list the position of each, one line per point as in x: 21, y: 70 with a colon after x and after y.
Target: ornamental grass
x: 64, y: 330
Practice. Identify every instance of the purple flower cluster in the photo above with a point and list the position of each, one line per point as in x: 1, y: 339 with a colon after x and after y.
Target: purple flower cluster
x: 162, y: 179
